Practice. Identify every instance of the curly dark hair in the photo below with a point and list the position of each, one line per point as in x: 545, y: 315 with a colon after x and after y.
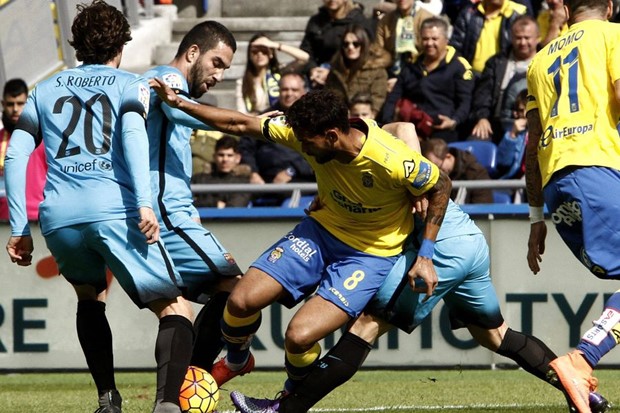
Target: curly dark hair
x: 99, y: 32
x: 317, y: 111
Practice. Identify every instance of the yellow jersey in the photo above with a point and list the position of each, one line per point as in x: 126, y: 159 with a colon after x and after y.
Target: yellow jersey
x: 571, y: 83
x: 365, y: 203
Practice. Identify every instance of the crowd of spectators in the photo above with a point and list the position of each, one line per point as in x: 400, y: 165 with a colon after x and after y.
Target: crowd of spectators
x: 456, y: 71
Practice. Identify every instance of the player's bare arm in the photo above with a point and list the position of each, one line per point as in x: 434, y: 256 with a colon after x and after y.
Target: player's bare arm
x: 405, y: 131
x: 423, y: 268
x: 533, y: 182
x: 225, y: 120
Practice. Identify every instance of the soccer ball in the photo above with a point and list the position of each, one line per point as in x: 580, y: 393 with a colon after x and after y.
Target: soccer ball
x: 199, y: 392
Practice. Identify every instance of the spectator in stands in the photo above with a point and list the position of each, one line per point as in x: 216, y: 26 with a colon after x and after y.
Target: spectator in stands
x: 439, y: 82
x: 460, y: 166
x: 552, y: 21
x: 324, y: 33
x: 258, y: 88
x: 398, y: 36
x: 14, y: 98
x: 225, y: 169
x: 274, y: 163
x: 355, y: 70
x: 511, y: 149
x: 361, y: 107
x: 502, y: 79
x: 483, y: 29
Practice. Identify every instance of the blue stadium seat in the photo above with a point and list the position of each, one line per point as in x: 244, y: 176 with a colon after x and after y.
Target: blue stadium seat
x: 502, y: 196
x: 484, y: 151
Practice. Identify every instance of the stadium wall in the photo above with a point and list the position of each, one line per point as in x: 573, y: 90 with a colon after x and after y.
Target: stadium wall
x: 37, y: 308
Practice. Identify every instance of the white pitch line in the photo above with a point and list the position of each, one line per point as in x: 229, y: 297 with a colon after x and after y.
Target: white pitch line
x: 430, y: 408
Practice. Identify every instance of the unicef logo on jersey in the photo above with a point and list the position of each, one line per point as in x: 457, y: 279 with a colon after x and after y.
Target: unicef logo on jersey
x: 91, y: 166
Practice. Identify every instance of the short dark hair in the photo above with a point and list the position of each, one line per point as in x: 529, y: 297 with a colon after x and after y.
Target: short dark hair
x: 206, y: 36
x: 363, y: 98
x: 227, y: 142
x: 438, y: 22
x: 99, y: 32
x: 15, y: 87
x: 317, y: 111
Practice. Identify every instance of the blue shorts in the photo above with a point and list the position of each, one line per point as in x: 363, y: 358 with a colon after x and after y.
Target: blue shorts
x: 144, y: 271
x: 462, y: 265
x: 309, y: 256
x: 584, y: 204
x: 198, y: 256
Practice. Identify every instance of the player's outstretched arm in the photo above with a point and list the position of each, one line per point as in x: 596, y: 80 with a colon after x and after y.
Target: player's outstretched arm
x: 225, y: 120
x: 533, y: 185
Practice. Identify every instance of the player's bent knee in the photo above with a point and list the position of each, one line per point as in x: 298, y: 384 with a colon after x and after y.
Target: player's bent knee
x: 177, y: 306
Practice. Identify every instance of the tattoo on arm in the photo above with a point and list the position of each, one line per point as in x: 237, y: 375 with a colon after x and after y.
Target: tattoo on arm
x: 438, y: 201
x: 533, y: 178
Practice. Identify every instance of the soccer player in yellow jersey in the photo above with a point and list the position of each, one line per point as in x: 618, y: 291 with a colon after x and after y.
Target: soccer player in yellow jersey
x: 347, y: 245
x: 573, y: 161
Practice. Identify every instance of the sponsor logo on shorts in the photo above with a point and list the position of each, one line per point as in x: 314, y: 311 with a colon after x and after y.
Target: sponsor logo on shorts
x: 567, y: 213
x: 339, y: 295
x: 301, y: 247
x: 275, y: 255
x: 229, y: 258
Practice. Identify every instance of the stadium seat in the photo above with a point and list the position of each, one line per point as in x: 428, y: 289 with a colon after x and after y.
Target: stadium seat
x: 484, y: 151
x: 502, y: 196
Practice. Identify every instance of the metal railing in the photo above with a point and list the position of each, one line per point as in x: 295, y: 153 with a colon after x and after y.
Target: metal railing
x: 296, y: 189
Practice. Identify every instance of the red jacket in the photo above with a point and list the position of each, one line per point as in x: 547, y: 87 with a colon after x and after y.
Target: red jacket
x: 36, y: 174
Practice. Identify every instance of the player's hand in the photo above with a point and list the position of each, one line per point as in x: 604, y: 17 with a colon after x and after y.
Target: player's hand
x: 420, y: 206
x: 424, y: 270
x: 165, y: 93
x: 149, y: 225
x: 20, y: 250
x: 536, y: 245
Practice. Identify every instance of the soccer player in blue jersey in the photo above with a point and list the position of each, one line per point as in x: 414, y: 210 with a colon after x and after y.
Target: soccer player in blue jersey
x: 97, y: 211
x: 346, y: 246
x: 573, y: 165
x: 208, y: 270
x: 461, y: 259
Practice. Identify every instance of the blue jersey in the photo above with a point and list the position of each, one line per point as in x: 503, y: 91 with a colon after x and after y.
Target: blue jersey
x: 91, y: 121
x: 170, y: 152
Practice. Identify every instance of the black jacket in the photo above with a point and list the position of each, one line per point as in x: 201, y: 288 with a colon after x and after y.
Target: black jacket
x: 467, y: 28
x: 323, y: 36
x: 446, y: 90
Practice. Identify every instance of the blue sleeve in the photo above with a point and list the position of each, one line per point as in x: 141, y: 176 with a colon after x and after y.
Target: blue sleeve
x: 20, y: 147
x: 179, y: 117
x: 136, y: 150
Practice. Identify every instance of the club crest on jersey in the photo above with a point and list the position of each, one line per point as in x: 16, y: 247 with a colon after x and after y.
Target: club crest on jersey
x: 229, y: 258
x: 173, y: 80
x: 367, y: 180
x: 275, y: 255
x: 409, y: 167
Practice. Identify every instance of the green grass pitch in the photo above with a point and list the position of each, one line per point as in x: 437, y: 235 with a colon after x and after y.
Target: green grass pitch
x: 369, y: 391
